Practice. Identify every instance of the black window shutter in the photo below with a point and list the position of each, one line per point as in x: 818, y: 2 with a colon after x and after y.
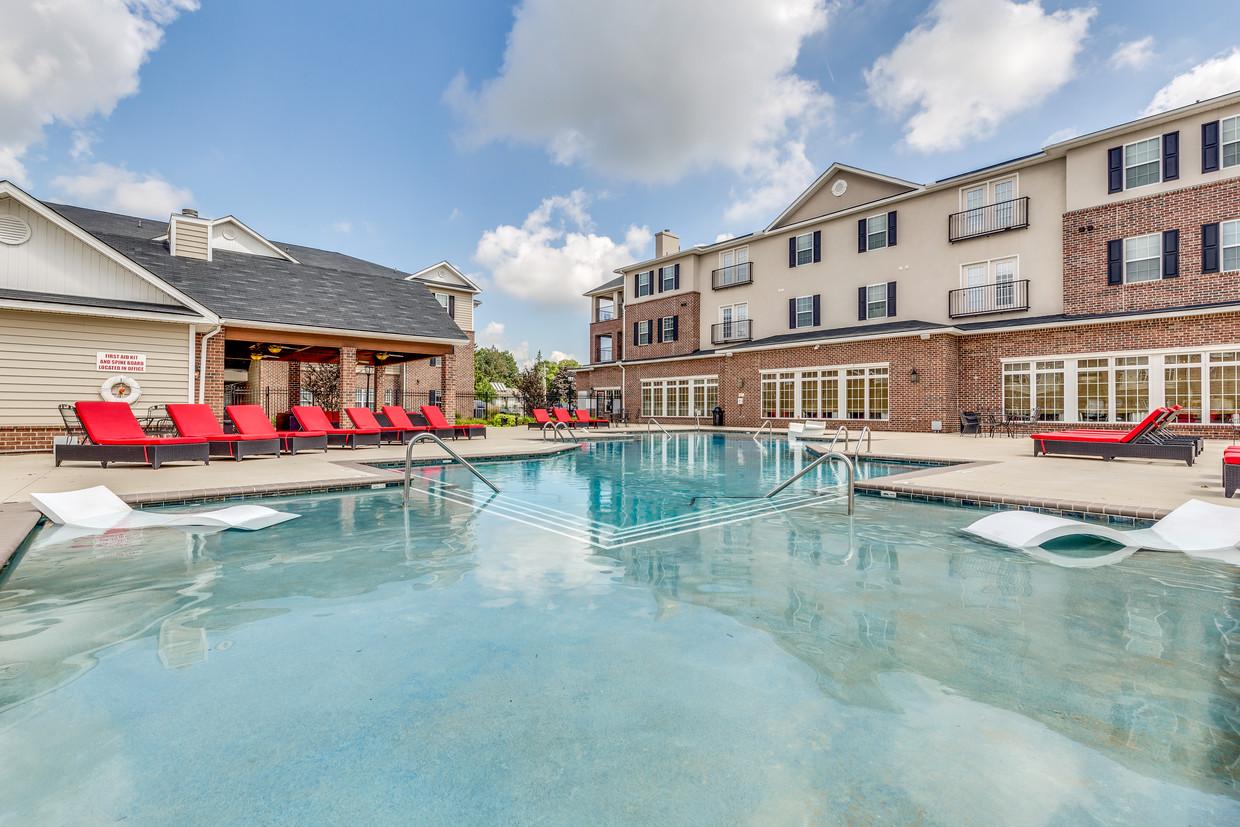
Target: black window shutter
x: 452, y: 306
x: 1209, y: 146
x: 792, y: 313
x: 861, y: 236
x: 817, y: 246
x: 891, y: 296
x: 637, y: 339
x: 659, y: 323
x: 1209, y: 248
x: 676, y: 326
x: 792, y: 252
x: 1115, y: 169
x: 676, y: 278
x: 817, y: 310
x: 658, y: 277
x: 637, y: 280
x: 1115, y: 261
x: 1171, y: 254
x: 861, y: 304
x: 891, y: 228
x: 1171, y: 156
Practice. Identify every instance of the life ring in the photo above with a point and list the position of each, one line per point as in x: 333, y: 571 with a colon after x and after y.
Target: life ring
x: 130, y: 393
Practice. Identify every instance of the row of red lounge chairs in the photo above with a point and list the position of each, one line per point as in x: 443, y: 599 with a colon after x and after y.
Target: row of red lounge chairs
x: 582, y: 417
x: 115, y: 435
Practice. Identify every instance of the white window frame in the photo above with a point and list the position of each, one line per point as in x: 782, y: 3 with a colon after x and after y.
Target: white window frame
x: 740, y: 255
x: 1225, y: 229
x: 1133, y: 256
x: 1156, y: 161
x: 870, y: 233
x: 667, y: 278
x: 645, y: 329
x: 987, y: 215
x: 662, y: 396
x: 644, y: 280
x: 807, y: 251
x: 776, y: 384
x: 975, y: 300
x: 871, y: 302
x: 1229, y: 126
x: 442, y: 298
x: 668, y: 325
x: 606, y: 352
x: 808, y: 312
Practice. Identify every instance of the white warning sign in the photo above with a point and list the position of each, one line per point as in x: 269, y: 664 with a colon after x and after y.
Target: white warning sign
x: 120, y: 362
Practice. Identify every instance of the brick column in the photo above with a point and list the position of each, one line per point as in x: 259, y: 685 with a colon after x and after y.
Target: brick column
x: 294, y: 383
x: 348, y: 380
x: 212, y: 380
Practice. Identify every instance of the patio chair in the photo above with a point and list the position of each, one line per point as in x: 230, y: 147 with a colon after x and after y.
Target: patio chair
x: 252, y: 421
x: 199, y: 421
x: 436, y: 420
x: 540, y: 418
x: 312, y: 417
x: 73, y: 425
x: 583, y: 416
x: 400, y: 419
x: 1138, y: 443
x: 116, y: 436
x: 365, y: 418
x: 970, y: 423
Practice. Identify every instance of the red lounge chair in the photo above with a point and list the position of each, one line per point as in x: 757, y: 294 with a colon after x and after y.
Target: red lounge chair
x: 199, y: 421
x: 1231, y: 470
x: 117, y: 437
x: 540, y: 418
x: 311, y: 417
x: 1137, y: 443
x: 252, y: 421
x: 435, y: 417
x: 561, y: 415
x: 583, y: 416
x: 400, y: 419
x: 365, y: 418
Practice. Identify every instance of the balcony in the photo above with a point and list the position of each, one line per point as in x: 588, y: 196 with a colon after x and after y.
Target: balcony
x: 988, y: 220
x: 604, y: 354
x: 1004, y: 297
x: 740, y: 330
x: 733, y: 276
x: 605, y: 314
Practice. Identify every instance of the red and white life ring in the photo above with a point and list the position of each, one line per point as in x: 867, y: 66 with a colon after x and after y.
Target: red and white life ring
x: 129, y: 391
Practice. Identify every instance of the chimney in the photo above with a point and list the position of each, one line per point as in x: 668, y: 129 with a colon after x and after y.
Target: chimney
x: 189, y: 236
x: 665, y: 244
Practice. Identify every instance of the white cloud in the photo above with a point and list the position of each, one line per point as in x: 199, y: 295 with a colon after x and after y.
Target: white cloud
x: 71, y: 60
x: 1061, y: 135
x: 1134, y: 55
x: 1215, y: 77
x: 650, y: 90
x: 972, y: 63
x: 82, y: 145
x: 560, y: 356
x: 343, y: 226
x: 543, y: 262
x: 116, y: 189
x: 491, y: 336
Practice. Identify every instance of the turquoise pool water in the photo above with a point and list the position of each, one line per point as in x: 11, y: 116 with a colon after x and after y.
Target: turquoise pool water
x: 458, y: 664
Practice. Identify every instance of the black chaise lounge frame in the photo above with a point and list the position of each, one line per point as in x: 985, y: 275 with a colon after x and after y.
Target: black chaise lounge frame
x: 1185, y: 451
x: 155, y: 455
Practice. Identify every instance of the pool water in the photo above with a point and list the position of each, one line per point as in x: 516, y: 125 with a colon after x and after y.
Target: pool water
x: 458, y: 663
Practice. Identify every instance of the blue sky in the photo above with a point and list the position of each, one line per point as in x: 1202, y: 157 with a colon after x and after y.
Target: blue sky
x: 541, y: 144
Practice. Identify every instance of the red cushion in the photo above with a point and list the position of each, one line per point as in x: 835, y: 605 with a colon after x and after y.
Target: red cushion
x: 312, y: 417
x: 107, y: 421
x: 434, y: 416
x: 397, y: 416
x: 540, y: 415
x: 250, y: 420
x: 1076, y: 436
x: 196, y: 420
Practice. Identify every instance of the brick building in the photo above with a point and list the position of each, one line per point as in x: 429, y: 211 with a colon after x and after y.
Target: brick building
x: 1087, y: 282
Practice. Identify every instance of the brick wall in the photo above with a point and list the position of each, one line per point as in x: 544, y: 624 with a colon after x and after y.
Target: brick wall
x: 684, y: 305
x: 27, y: 438
x: 613, y: 328
x: 1085, y: 252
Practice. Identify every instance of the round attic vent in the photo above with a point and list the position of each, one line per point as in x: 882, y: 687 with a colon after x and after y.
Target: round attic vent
x: 229, y: 233
x: 13, y: 230
x: 839, y: 187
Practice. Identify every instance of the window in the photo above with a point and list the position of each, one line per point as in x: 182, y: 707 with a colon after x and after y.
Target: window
x: 606, y: 310
x: 1141, y: 163
x: 1224, y: 385
x: 876, y: 232
x: 1230, y: 129
x: 1132, y: 388
x: 641, y: 332
x: 1092, y: 390
x: 387, y: 396
x: 433, y: 397
x: 604, y: 348
x: 804, y: 311
x: 733, y: 268
x: 876, y: 301
x: 669, y: 277
x: 805, y: 249
x: 1230, y: 234
x: 1141, y: 255
x: 988, y: 285
x: 696, y: 396
x: 644, y: 283
x: 1182, y: 384
x: 815, y: 393
x: 1017, y: 397
x: 668, y: 328
x: 362, y: 398
x: 436, y: 361
x: 1039, y: 383
x: 447, y: 302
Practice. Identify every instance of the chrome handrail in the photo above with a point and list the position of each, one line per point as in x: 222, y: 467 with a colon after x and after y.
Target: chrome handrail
x: 844, y: 430
x: 825, y: 457
x: 656, y: 422
x: 760, y: 427
x: 409, y: 460
x: 865, y: 434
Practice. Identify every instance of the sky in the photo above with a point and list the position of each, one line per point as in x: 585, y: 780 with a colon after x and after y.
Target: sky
x: 537, y: 146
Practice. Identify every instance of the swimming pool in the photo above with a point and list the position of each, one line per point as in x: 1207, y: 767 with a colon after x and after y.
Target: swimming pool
x: 457, y: 663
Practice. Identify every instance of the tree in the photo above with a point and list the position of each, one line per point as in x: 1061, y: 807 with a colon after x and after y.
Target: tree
x: 323, y: 382
x: 563, y: 388
x: 492, y: 365
x: 529, y: 384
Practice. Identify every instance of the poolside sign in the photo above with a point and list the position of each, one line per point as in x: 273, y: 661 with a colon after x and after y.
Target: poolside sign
x: 120, y: 362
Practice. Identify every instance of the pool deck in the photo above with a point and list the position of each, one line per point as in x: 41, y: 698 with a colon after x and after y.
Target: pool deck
x: 991, y: 471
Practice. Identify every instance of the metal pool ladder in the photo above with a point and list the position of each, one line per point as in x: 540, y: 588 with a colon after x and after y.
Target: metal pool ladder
x: 869, y: 449
x: 824, y: 458
x: 843, y: 429
x: 656, y: 422
x: 766, y: 424
x: 454, y: 455
x: 556, y: 427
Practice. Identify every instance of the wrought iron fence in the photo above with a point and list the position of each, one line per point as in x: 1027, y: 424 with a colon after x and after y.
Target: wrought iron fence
x: 1000, y: 297
x: 988, y: 220
x: 272, y: 400
x: 733, y: 276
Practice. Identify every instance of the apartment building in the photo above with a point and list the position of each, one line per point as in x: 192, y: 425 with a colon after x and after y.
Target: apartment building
x: 1090, y: 281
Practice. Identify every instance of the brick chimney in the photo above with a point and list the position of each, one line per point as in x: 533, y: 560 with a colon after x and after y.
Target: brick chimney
x: 665, y: 244
x: 189, y: 236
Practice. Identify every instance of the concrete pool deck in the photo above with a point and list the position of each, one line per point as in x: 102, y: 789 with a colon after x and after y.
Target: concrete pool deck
x: 990, y: 471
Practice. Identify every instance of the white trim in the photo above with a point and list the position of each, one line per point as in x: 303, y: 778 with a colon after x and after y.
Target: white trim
x: 1152, y: 122
x: 105, y: 312
x: 821, y: 181
x: 338, y: 331
x: 470, y: 288
x: 850, y: 366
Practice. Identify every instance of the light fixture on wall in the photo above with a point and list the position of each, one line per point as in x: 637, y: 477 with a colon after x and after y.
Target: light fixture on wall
x: 914, y: 377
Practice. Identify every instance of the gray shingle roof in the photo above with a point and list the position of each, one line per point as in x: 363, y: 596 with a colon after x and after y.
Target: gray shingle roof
x: 326, y: 289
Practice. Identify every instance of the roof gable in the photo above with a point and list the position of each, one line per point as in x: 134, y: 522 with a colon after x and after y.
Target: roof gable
x: 839, y: 189
x: 444, y: 274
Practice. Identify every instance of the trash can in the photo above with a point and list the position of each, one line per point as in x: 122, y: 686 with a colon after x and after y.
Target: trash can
x: 718, y: 416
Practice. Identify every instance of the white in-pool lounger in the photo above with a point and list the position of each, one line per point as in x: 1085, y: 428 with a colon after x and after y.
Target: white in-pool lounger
x: 1195, y: 528
x: 99, y: 508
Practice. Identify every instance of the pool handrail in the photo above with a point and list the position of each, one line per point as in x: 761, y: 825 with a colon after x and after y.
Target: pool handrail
x: 409, y: 463
x: 556, y: 427
x: 865, y: 434
x: 824, y: 458
x: 843, y: 429
x: 656, y: 422
x: 759, y: 431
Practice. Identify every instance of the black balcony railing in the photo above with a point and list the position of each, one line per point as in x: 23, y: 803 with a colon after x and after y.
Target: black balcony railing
x: 988, y: 220
x: 740, y: 330
x: 605, y: 314
x: 1003, y: 297
x: 732, y: 276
